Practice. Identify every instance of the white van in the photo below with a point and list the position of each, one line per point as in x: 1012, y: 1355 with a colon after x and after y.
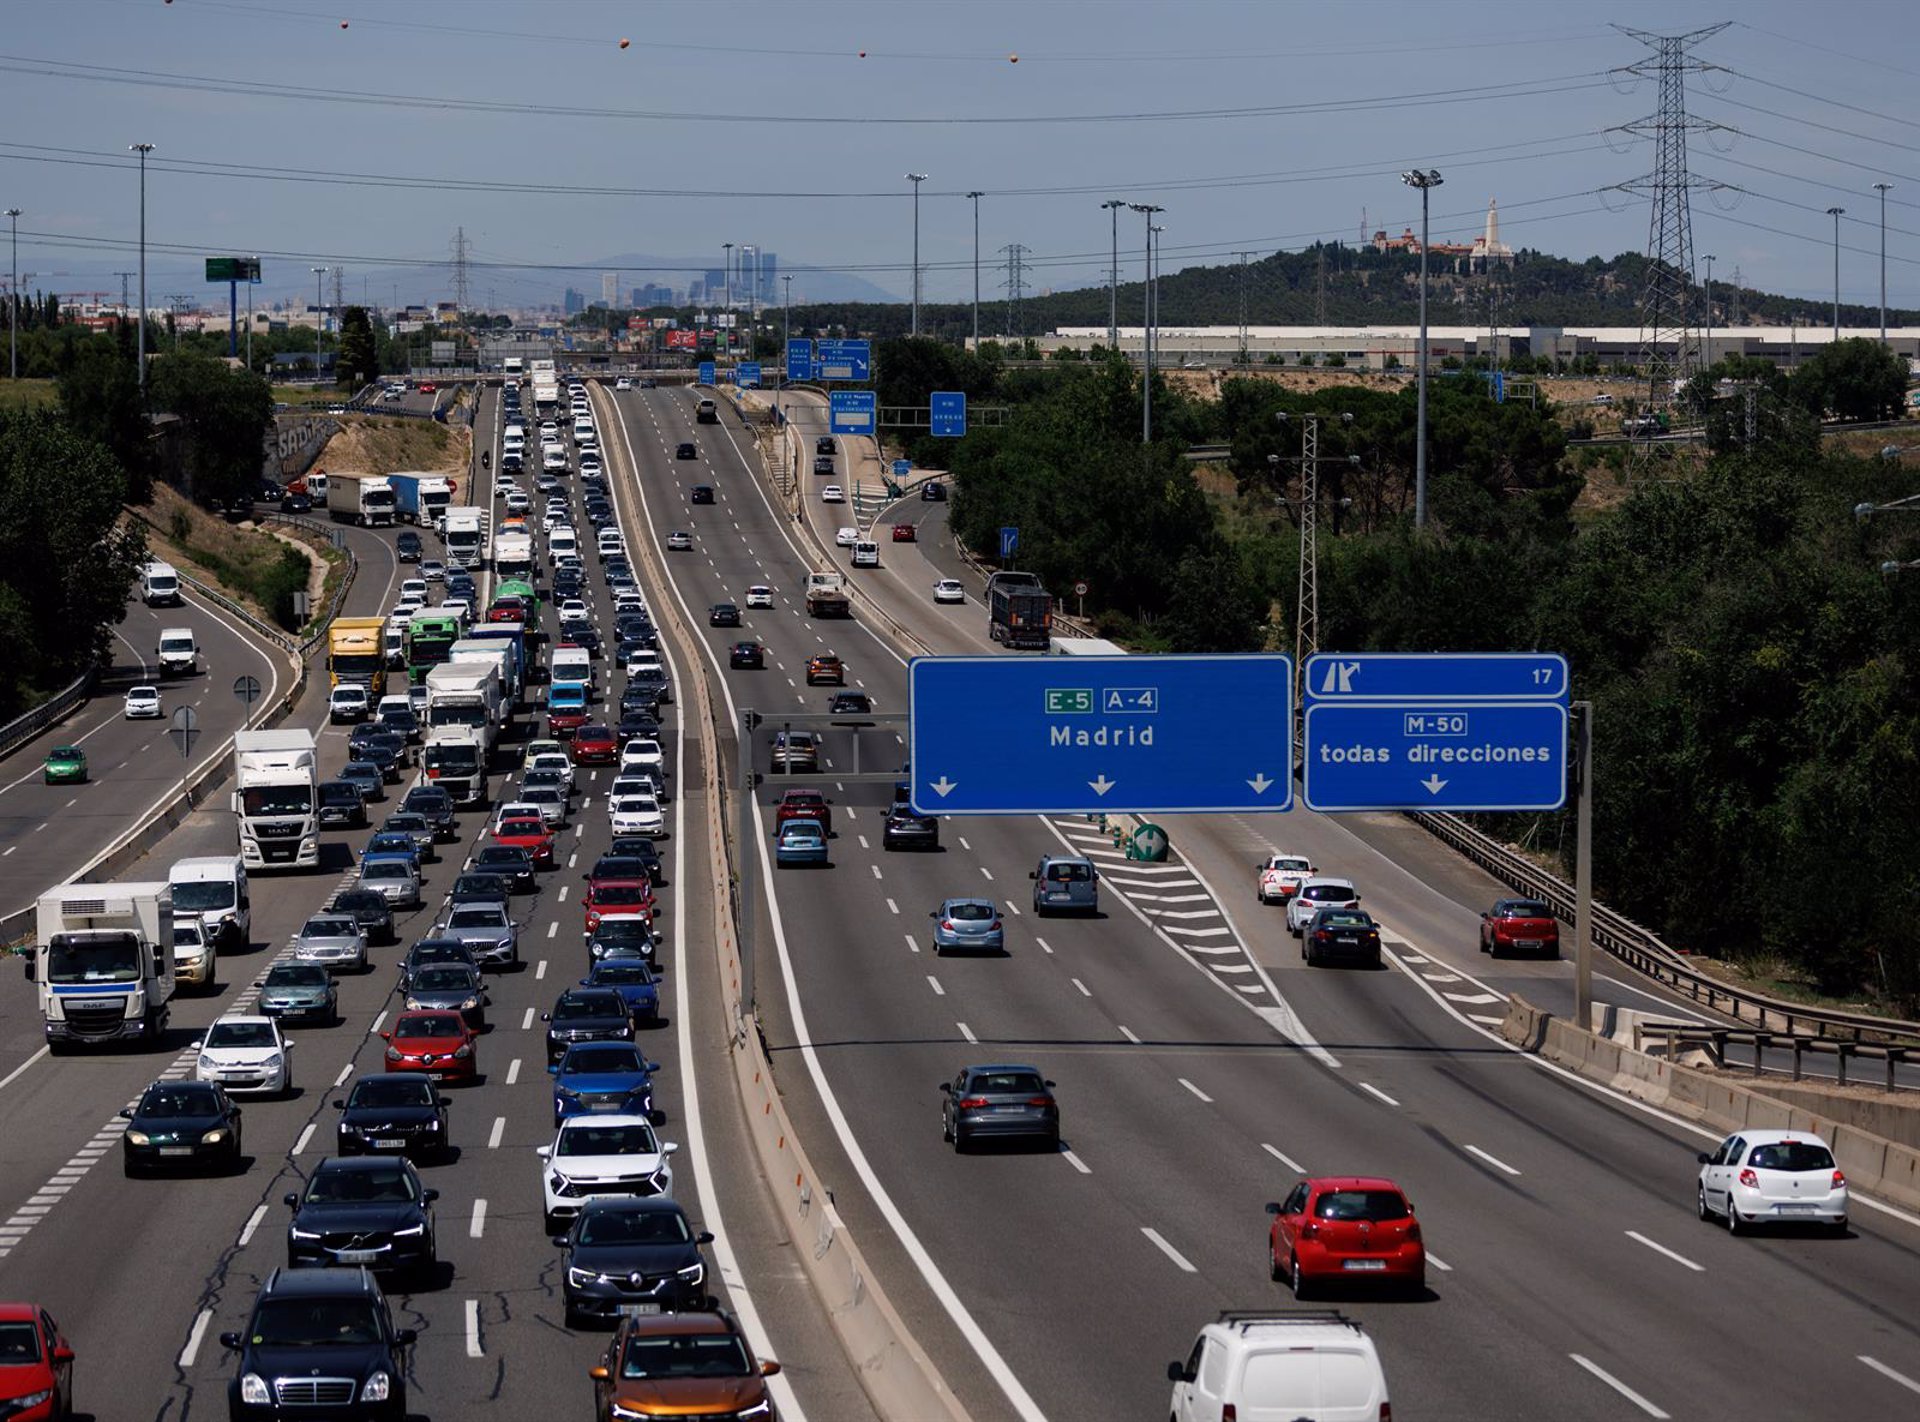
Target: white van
x: 514, y: 436
x: 553, y: 458
x: 393, y: 641
x: 178, y: 653
x: 570, y: 666
x: 582, y: 428
x: 214, y: 890
x: 561, y: 542
x: 160, y: 584
x: 610, y: 543
x: 866, y: 554
x: 1275, y: 1367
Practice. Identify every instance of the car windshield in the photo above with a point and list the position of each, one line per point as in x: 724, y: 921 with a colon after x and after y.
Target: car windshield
x: 186, y: 934
x: 1025, y: 1083
x: 451, y: 977
x: 634, y: 1226
x: 970, y: 912
x: 385, y: 1183
x: 386, y: 1093
x: 387, y: 869
x: 608, y: 1058
x: 621, y: 929
x: 1512, y: 908
x: 1791, y: 1155
x: 242, y: 1034
x: 429, y: 1024
x: 196, y: 896
x: 328, y: 928
x: 699, y: 1355
x: 306, y: 1323
x: 623, y: 974
x: 1069, y: 873
x: 521, y: 828
x: 620, y: 894
x: 476, y: 916
x: 478, y: 885
x: 296, y: 975
x: 636, y: 1138
x: 577, y: 1005
x: 169, y: 1102
x: 634, y: 804
x: 507, y: 855
x: 19, y: 1343
x: 1362, y: 1205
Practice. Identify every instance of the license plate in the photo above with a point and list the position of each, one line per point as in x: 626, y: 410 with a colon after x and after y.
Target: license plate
x: 176, y: 1150
x: 603, y: 1106
x: 389, y: 1142
x: 1009, y: 1108
x: 436, y: 1076
x: 1793, y: 1209
x: 1526, y: 942
x: 638, y: 1310
x: 1364, y: 1266
x: 357, y: 1256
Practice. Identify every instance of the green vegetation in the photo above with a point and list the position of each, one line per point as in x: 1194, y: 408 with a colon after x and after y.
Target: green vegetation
x: 26, y: 394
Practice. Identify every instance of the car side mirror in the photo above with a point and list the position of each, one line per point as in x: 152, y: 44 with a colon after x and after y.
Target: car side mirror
x: 196, y: 1045
x: 1177, y: 1372
x: 1273, y: 1207
x: 1033, y: 874
x: 553, y: 1068
x: 290, y: 1200
x: 546, y: 1017
x: 1703, y: 1157
x: 543, y: 1151
x: 598, y: 1373
x: 125, y: 1113
x: 559, y: 1241
x: 1049, y: 1086
x: 769, y: 1368
x: 442, y: 1101
x: 405, y: 1338
x: 230, y: 1341
x: 286, y: 1043
x: 339, y: 1103
x: 386, y: 1036
x: 656, y: 1117
x: 429, y: 1195
x: 946, y: 1088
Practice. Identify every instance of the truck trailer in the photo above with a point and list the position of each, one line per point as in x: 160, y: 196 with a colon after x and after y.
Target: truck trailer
x: 365, y: 499
x: 102, y: 963
x: 421, y: 498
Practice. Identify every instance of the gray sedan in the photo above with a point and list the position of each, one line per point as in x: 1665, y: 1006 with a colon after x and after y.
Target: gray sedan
x: 392, y: 877
x: 968, y: 925
x: 333, y: 940
x: 453, y: 987
x: 486, y: 929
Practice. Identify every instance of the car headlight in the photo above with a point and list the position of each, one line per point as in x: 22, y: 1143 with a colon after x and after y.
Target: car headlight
x: 580, y: 1278
x: 692, y: 1274
x: 463, y: 1050
x: 375, y: 1388
x: 470, y: 1004
x: 253, y: 1390
x: 410, y: 1232
x: 214, y: 1136
x: 273, y: 1061
x: 138, y: 1138
x: 763, y: 1408
x: 295, y: 1232
x: 505, y: 945
x: 558, y: 1182
x: 207, y: 1063
x: 393, y: 1054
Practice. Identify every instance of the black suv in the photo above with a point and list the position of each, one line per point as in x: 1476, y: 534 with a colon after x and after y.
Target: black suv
x: 685, y: 450
x: 393, y: 1111
x: 826, y: 444
x: 407, y: 545
x: 586, y: 1015
x: 372, y: 1212
x: 319, y: 1338
x: 638, y: 1254
x: 823, y: 464
x: 437, y: 806
x: 341, y: 803
x: 933, y: 493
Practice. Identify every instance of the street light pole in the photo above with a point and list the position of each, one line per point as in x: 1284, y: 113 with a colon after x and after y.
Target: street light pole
x: 786, y: 341
x: 13, y: 299
x: 975, y: 195
x: 727, y: 315
x: 1881, y: 188
x: 143, y: 149
x: 1708, y: 358
x: 319, y: 315
x: 1113, y: 206
x: 1157, y: 243
x: 1426, y: 181
x: 1147, y: 210
x: 1836, y: 213
x: 917, y: 179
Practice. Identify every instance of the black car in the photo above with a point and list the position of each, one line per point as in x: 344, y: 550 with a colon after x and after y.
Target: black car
x: 341, y: 803
x: 823, y: 464
x: 407, y: 546
x: 632, y: 856
x: 479, y: 888
x: 296, y: 504
x: 748, y: 656
x: 700, y: 494
x: 647, y: 687
x: 850, y: 703
x: 826, y: 444
x: 999, y: 1101
x: 685, y: 450
x: 416, y: 827
x: 586, y: 1015
x: 370, y: 779
x: 373, y: 1212
x: 723, y: 614
x: 393, y: 1112
x: 325, y: 1334
x: 180, y: 1123
x: 461, y: 585
x: 583, y: 635
x: 623, y: 935
x: 368, y: 908
x: 627, y: 1252
x: 449, y: 987
x: 1335, y: 933
x: 375, y: 744
x: 933, y: 492
x: 429, y: 951
x: 510, y: 862
x: 403, y: 723
x: 636, y: 721
x: 906, y: 830
x: 437, y: 806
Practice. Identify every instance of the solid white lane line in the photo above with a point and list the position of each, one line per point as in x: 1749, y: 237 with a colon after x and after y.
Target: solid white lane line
x: 934, y: 983
x: 499, y: 1130
x: 479, y: 1225
x: 1372, y: 1090
x: 194, y: 1336
x: 252, y: 1224
x: 1613, y: 1382
x: 1195, y: 1090
x: 1886, y: 1372
x: 1077, y: 1163
x: 1127, y: 1032
x: 1167, y: 1249
x: 300, y: 1145
x: 473, y: 1330
x: 1682, y: 1259
x: 513, y: 1071
x: 1493, y: 1160
x: 967, y: 1032
x: 13, y: 1075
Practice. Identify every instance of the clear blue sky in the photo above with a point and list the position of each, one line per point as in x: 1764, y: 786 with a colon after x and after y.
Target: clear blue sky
x: 1334, y: 88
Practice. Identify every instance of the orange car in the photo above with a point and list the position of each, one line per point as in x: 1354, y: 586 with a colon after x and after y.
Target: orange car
x: 826, y: 669
x: 682, y: 1365
x: 431, y: 1040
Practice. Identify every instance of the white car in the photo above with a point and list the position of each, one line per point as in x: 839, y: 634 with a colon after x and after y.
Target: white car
x: 505, y: 486
x: 1315, y: 894
x: 347, y: 702
x: 554, y: 760
x: 555, y: 518
x: 515, y: 810
x: 759, y: 595
x: 846, y: 537
x: 833, y: 494
x: 590, y: 462
x: 623, y: 384
x: 629, y: 600
x: 642, y: 753
x: 601, y: 1155
x: 1773, y: 1177
x: 636, y: 814
x: 245, y: 1054
x: 457, y: 607
x: 949, y: 590
x: 142, y: 703
x: 575, y: 609
x: 1320, y: 1365
x: 1278, y: 877
x: 414, y: 588
x: 518, y: 502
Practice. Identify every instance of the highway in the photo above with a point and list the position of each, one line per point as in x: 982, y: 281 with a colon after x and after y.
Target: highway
x: 1195, y: 1085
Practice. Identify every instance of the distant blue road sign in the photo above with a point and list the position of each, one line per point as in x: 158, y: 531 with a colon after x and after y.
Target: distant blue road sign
x: 1009, y: 540
x: 948, y: 414
x: 852, y: 412
x: 1436, y: 732
x: 902, y: 468
x: 706, y: 372
x: 843, y: 360
x: 747, y: 374
x: 799, y: 360
x: 1079, y: 735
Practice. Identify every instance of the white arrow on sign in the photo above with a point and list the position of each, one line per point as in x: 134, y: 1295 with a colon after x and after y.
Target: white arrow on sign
x: 1434, y: 784
x: 1260, y: 783
x: 1102, y: 785
x: 944, y: 787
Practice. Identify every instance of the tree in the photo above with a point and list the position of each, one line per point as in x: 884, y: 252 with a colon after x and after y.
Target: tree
x: 359, y: 359
x: 225, y: 414
x: 1854, y: 379
x: 100, y: 400
x: 1213, y: 604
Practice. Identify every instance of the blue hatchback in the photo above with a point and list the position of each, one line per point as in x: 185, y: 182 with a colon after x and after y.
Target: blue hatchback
x: 596, y: 1078
x: 393, y: 843
x: 634, y: 980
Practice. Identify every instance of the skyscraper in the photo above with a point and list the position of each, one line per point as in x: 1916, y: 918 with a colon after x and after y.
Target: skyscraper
x: 609, y: 289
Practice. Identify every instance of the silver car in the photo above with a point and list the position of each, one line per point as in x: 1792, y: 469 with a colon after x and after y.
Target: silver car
x: 486, y: 929
x: 453, y: 987
x: 1065, y: 883
x: 394, y: 879
x: 1319, y: 892
x: 552, y: 803
x: 968, y: 926
x: 333, y: 940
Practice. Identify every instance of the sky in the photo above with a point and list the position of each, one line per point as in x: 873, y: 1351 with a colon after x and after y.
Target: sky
x: 1256, y: 124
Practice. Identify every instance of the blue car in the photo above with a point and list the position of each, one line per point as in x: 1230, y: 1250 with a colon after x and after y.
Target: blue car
x: 393, y: 843
x: 604, y: 1078
x: 800, y: 842
x: 633, y: 979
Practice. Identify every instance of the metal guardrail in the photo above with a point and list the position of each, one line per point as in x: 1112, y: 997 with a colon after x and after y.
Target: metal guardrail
x: 28, y: 724
x: 1643, y: 951
x: 1715, y: 1040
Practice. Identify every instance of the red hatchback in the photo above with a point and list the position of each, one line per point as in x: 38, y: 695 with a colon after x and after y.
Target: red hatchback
x: 804, y: 805
x: 433, y: 1041
x: 1356, y: 1227
x: 35, y: 1361
x: 1520, y: 926
x: 595, y: 745
x: 617, y: 898
x: 507, y: 609
x: 529, y: 834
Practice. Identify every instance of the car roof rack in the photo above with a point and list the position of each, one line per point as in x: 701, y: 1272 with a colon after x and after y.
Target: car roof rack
x: 1244, y: 1318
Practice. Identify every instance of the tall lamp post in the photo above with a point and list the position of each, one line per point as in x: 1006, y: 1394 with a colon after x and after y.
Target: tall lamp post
x: 13, y: 299
x: 1425, y: 181
x: 319, y: 315
x: 917, y: 179
x: 786, y: 340
x: 1113, y: 206
x: 727, y: 287
x: 1157, y: 240
x: 1707, y: 357
x: 1836, y: 213
x: 975, y: 195
x: 1147, y: 210
x: 143, y: 149
x: 1881, y: 188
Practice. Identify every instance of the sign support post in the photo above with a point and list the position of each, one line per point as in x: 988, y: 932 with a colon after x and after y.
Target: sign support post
x: 1583, y: 867
x: 748, y: 844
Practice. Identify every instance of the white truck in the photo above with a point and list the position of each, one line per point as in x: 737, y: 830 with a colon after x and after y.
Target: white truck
x: 275, y: 798
x: 467, y: 694
x: 102, y: 963
x: 503, y: 656
x: 513, y: 553
x: 421, y: 498
x: 177, y: 652
x: 455, y: 759
x: 466, y: 537
x: 365, y: 499
x: 827, y: 594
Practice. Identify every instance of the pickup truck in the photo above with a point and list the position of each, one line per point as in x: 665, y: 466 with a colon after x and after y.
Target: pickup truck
x: 827, y: 595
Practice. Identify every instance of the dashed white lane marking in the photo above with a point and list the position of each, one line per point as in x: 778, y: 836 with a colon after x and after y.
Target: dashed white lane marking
x: 911, y: 945
x: 1195, y: 1090
x: 1493, y: 1160
x: 499, y: 1130
x: 1045, y: 947
x: 892, y: 907
x: 1085, y: 991
x: 1886, y: 1372
x: 526, y: 1022
x: 986, y: 871
x: 1127, y: 1032
x: 252, y: 1224
x: 1375, y: 1091
x: 1680, y: 1259
x: 473, y: 1329
x: 1175, y: 1255
x: 1186, y: 932
x: 345, y: 1072
x: 876, y: 870
x: 540, y: 968
x: 964, y: 845
x: 1076, y: 1162
x: 1613, y: 1382
x: 194, y: 1337
x: 967, y: 1032
x: 934, y: 983
x: 378, y: 1022
x: 863, y: 842
x: 553, y: 929
x: 513, y: 1071
x: 300, y: 1146
x: 1439, y: 1263
x: 479, y: 1225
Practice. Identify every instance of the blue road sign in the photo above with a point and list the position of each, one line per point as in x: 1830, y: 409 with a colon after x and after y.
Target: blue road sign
x: 1436, y: 731
x: 706, y: 372
x: 747, y: 374
x: 947, y: 414
x: 799, y: 360
x: 1009, y: 540
x: 843, y: 360
x: 852, y: 412
x: 1078, y: 735
x: 902, y: 468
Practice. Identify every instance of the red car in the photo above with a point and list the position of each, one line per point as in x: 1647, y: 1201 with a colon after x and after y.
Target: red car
x: 1346, y: 1227
x: 434, y: 1041
x: 529, y: 834
x: 507, y: 609
x: 903, y: 533
x: 804, y: 805
x: 565, y: 721
x: 617, y: 898
x: 595, y: 745
x: 35, y: 1361
x: 1520, y: 926
x: 426, y: 387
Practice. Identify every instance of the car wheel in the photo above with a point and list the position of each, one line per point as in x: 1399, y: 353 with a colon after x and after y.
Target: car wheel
x: 1298, y: 1279
x: 1274, y: 1271
x: 1735, y: 1225
x: 1705, y: 1213
x: 959, y: 1141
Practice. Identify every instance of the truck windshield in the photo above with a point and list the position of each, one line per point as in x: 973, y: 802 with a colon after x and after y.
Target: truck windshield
x: 97, y: 958
x: 454, y: 758
x: 276, y: 800
x: 445, y: 715
x: 176, y: 644
x: 356, y: 666
x: 197, y: 896
x: 377, y: 498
